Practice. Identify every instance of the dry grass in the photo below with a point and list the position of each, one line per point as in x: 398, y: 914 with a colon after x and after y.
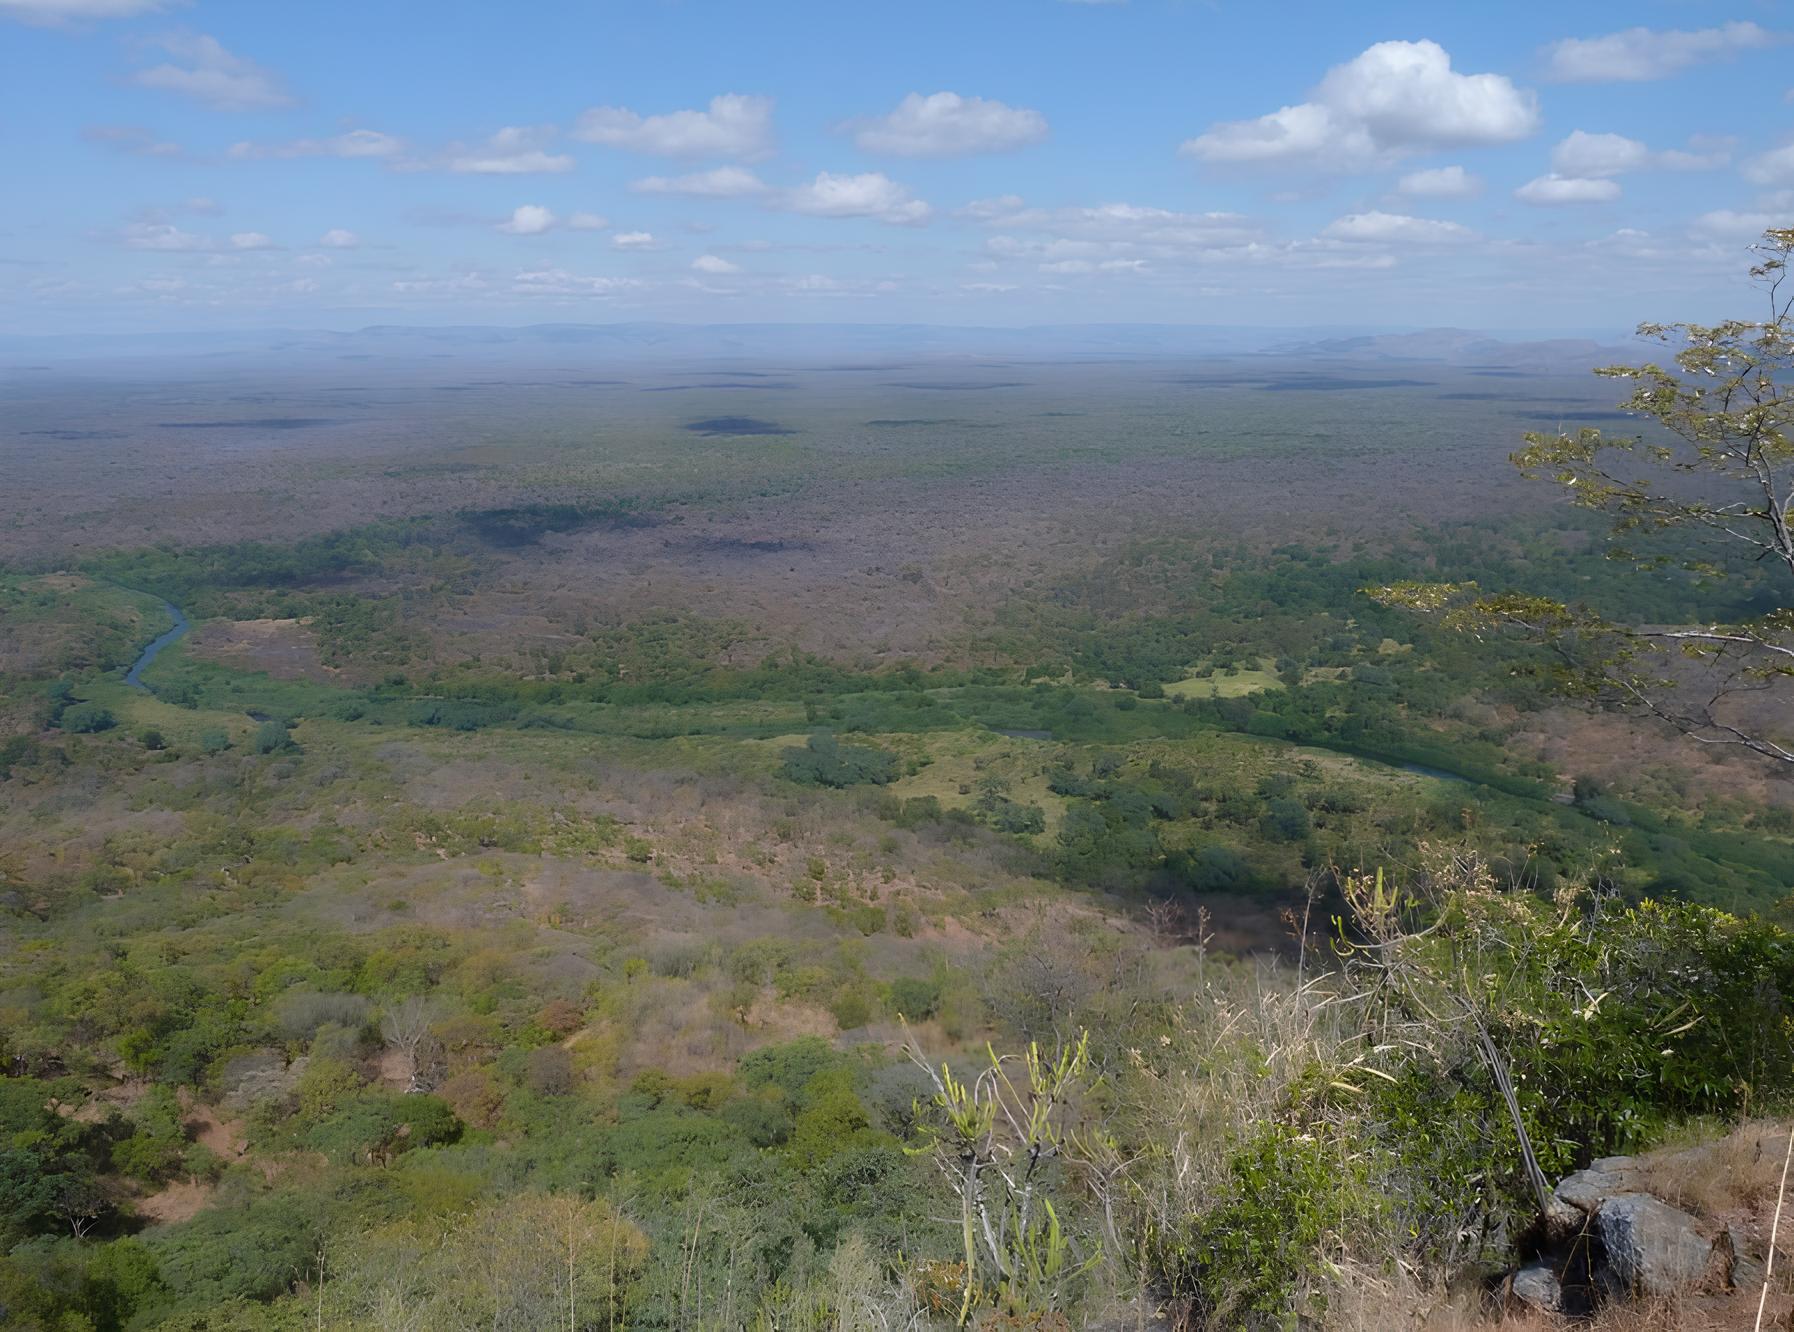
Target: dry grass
x: 1736, y: 1174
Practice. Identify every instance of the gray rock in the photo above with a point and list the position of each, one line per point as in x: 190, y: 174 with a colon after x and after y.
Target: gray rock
x: 1537, y: 1287
x: 1587, y: 1188
x: 1651, y: 1248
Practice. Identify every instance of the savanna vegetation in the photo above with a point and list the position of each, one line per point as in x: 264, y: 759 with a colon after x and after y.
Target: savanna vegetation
x: 493, y: 914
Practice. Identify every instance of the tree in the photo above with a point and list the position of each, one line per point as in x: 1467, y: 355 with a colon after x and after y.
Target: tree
x: 407, y: 1027
x: 1712, y: 492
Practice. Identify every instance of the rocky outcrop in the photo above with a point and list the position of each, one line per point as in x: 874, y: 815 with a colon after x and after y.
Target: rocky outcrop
x: 1606, y: 1235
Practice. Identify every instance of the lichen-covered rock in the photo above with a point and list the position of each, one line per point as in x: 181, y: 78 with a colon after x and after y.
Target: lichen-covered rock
x: 1650, y: 1248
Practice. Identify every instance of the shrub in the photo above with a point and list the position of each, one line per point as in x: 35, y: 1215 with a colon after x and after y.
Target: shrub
x: 272, y: 737
x: 825, y: 761
x: 87, y: 719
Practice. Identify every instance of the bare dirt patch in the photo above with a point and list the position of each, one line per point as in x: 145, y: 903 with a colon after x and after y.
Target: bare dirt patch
x: 285, y: 649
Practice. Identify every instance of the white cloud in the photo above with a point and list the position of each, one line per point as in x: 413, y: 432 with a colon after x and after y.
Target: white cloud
x: 1087, y: 266
x: 351, y: 143
x: 1638, y: 55
x: 1447, y: 182
x: 559, y: 282
x: 1726, y: 223
x: 1775, y: 167
x: 1554, y: 189
x: 1385, y: 228
x: 528, y: 220
x: 1002, y: 205
x: 633, y: 240
x: 74, y: 11
x: 161, y: 236
x: 1584, y: 154
x: 203, y: 70
x: 869, y: 194
x: 944, y: 124
x: 250, y: 240
x: 588, y: 221
x: 723, y: 182
x: 513, y: 151
x: 734, y: 125
x: 1394, y: 99
x: 710, y: 263
x: 337, y: 238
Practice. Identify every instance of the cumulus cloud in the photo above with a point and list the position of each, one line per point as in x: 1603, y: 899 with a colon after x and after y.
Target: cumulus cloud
x: 1397, y: 228
x: 724, y: 182
x: 733, y: 125
x: 351, y: 143
x: 634, y: 240
x: 1584, y: 154
x: 714, y: 265
x: 869, y: 194
x: 1639, y: 55
x: 1394, y: 99
x: 204, y: 70
x: 1446, y: 182
x: 512, y: 151
x: 528, y: 220
x: 1553, y: 190
x: 251, y: 240
x: 944, y: 124
x: 337, y: 238
x: 74, y: 11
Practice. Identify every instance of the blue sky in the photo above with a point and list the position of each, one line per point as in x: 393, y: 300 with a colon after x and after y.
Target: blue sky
x: 228, y: 163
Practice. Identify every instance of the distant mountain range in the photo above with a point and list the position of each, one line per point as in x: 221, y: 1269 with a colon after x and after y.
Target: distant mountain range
x: 810, y: 344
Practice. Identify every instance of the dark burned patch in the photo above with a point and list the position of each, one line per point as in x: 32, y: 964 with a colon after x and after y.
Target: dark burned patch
x: 739, y: 374
x: 736, y: 546
x: 252, y: 423
x: 713, y: 426
x: 1298, y: 383
x: 723, y: 384
x: 76, y: 436
x: 1501, y: 397
x: 1339, y: 383
x: 952, y: 386
x: 524, y: 525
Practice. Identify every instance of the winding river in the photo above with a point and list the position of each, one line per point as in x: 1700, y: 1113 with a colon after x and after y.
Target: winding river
x: 134, y: 676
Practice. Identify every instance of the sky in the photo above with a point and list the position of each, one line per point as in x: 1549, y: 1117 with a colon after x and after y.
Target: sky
x: 219, y: 164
